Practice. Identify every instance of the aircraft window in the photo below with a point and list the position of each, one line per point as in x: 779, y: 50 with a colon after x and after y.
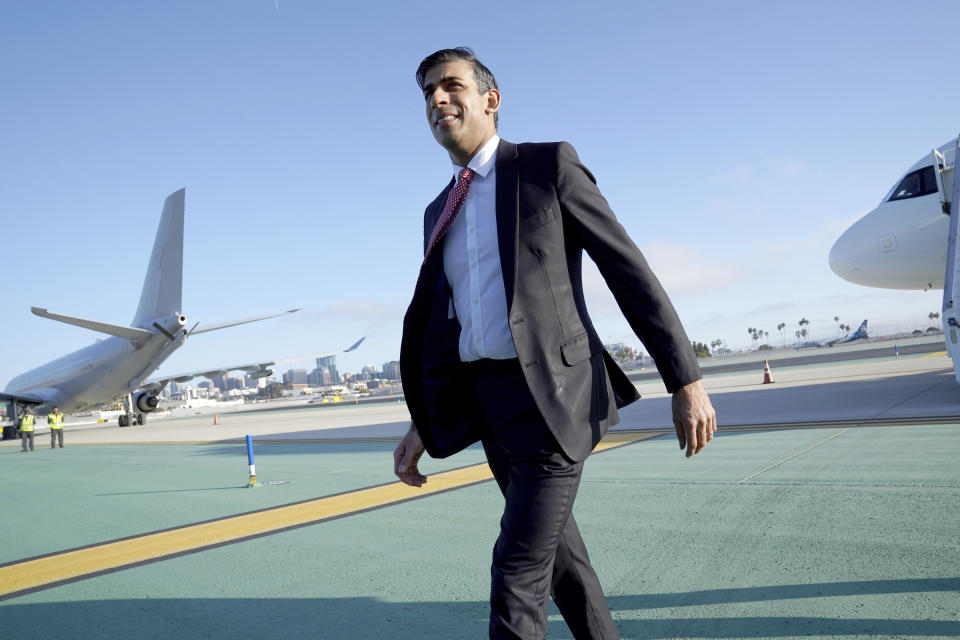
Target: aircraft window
x: 921, y: 182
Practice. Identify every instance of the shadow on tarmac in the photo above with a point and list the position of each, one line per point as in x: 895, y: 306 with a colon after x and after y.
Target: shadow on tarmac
x: 361, y: 618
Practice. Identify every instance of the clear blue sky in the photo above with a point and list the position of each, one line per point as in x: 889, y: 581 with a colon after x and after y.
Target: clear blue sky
x: 735, y: 141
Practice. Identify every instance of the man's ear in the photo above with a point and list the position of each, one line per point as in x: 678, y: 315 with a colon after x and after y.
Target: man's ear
x: 493, y: 102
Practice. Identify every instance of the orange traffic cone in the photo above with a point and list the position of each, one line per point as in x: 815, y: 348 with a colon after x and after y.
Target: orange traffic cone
x: 767, y: 375
x: 216, y: 417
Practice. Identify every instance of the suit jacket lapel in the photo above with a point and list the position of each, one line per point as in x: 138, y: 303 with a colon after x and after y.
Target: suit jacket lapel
x: 507, y: 214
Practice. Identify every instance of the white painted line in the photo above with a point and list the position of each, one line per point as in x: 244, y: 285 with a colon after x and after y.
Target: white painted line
x: 813, y: 446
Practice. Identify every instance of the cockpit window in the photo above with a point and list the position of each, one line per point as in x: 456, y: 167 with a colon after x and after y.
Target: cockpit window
x: 921, y: 182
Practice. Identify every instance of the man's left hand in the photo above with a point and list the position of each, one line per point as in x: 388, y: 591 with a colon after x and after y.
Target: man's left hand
x: 693, y: 417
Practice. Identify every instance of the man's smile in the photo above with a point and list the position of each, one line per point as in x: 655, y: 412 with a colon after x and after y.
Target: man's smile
x: 445, y: 119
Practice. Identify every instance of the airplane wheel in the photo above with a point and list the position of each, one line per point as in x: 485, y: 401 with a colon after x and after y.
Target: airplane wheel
x: 141, y: 418
x: 122, y: 421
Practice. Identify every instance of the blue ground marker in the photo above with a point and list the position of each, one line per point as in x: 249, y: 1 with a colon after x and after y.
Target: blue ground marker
x: 253, y: 467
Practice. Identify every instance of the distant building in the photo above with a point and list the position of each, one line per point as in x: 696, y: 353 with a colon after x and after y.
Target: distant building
x: 330, y: 364
x: 391, y: 370
x: 320, y: 377
x: 222, y: 383
x: 254, y: 383
x: 295, y: 376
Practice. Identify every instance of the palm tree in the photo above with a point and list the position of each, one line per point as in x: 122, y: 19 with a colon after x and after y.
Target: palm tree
x: 934, y: 316
x: 783, y: 334
x: 803, y: 330
x: 753, y: 336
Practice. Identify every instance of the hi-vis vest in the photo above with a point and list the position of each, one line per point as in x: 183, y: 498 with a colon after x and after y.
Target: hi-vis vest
x: 55, y: 420
x: 26, y: 422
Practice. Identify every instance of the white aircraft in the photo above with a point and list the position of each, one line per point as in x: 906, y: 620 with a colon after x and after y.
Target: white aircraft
x: 859, y: 334
x: 902, y: 243
x: 118, y: 366
x: 909, y: 240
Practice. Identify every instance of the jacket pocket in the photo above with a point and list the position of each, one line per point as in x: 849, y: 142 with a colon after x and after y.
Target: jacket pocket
x: 537, y: 220
x: 576, y: 349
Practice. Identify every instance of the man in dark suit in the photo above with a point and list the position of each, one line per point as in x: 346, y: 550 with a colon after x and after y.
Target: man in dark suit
x: 498, y: 346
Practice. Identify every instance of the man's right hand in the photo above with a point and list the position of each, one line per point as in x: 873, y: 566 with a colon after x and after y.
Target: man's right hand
x: 405, y: 458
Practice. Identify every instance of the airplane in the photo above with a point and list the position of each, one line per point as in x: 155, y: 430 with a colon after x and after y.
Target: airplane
x: 902, y: 243
x: 859, y: 334
x: 909, y: 241
x: 118, y: 366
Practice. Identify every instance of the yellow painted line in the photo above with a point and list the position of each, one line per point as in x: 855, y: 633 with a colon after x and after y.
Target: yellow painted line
x: 935, y: 354
x: 33, y: 574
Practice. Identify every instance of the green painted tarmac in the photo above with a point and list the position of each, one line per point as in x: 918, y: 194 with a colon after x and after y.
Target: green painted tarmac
x: 806, y: 533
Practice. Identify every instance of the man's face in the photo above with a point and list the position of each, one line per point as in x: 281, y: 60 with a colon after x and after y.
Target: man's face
x: 460, y: 117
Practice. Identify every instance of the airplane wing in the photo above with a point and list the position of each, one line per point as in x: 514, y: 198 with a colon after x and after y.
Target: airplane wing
x: 260, y: 369
x: 21, y: 398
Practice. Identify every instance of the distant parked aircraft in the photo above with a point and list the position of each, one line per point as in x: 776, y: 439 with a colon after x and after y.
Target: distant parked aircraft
x: 118, y: 366
x: 859, y: 334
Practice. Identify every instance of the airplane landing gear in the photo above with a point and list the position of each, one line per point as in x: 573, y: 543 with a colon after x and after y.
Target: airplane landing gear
x: 128, y: 417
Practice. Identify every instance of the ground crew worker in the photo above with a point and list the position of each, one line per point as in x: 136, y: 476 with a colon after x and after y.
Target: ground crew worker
x: 26, y: 429
x: 55, y: 420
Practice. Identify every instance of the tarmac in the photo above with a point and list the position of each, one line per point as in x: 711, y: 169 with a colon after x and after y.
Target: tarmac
x: 827, y: 507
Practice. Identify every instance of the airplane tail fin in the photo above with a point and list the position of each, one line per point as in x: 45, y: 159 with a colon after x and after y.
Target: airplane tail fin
x: 862, y: 330
x: 162, y: 291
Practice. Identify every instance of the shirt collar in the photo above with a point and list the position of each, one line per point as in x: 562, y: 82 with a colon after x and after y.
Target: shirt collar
x: 483, y: 160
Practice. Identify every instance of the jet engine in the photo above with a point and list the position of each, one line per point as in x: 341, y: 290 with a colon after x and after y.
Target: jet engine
x: 146, y: 401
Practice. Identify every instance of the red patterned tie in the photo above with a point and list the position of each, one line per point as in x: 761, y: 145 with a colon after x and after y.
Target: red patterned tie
x: 454, y: 201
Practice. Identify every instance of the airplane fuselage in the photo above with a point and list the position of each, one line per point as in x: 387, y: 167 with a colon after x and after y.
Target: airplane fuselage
x: 97, y: 374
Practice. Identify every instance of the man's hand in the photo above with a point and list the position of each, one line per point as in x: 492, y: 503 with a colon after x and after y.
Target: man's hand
x: 405, y: 458
x: 693, y: 417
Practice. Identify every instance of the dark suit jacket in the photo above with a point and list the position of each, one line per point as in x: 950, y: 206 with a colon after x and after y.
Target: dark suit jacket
x: 549, y: 211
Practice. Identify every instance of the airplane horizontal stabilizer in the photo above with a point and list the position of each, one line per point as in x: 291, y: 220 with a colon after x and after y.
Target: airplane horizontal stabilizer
x: 224, y: 325
x: 130, y: 333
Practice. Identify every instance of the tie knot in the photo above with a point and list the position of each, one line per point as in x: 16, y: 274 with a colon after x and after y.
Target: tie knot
x: 466, y: 175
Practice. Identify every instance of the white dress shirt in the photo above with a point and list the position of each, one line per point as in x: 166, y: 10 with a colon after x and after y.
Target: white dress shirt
x: 471, y: 262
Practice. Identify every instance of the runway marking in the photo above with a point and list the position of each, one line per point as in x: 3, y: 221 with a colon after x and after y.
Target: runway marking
x: 935, y: 354
x: 787, y: 459
x: 34, y: 574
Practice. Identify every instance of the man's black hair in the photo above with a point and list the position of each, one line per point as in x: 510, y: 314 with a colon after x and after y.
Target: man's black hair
x: 481, y: 74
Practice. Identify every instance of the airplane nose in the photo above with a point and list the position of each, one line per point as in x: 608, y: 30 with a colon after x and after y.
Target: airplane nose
x: 849, y: 255
x: 841, y: 257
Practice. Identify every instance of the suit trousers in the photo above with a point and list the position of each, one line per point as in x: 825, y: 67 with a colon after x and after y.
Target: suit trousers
x: 539, y: 552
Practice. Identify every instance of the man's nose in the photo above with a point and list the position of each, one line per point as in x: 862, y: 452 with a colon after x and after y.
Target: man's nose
x: 439, y: 98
